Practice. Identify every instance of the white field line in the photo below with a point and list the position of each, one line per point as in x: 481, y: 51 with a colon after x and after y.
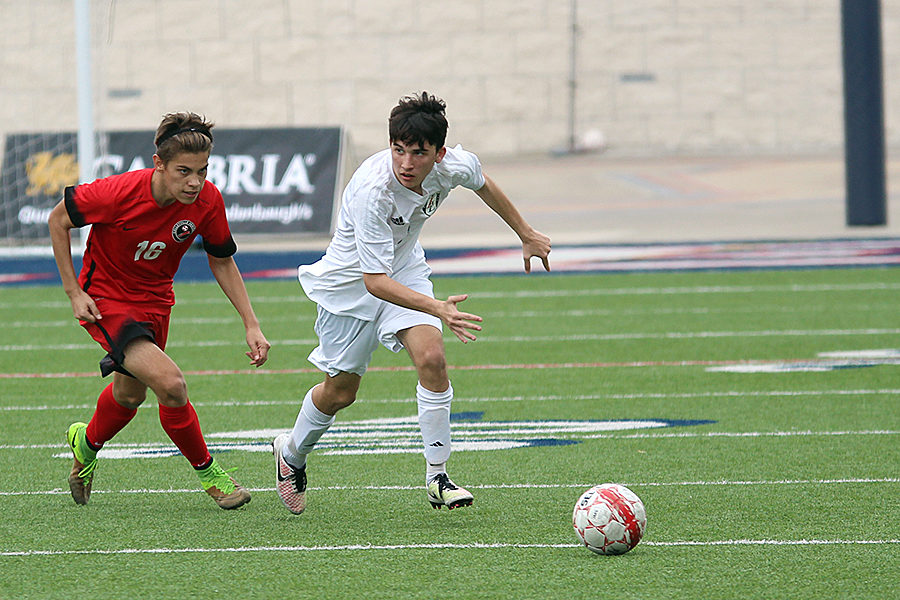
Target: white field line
x: 487, y: 339
x: 574, y: 313
x: 475, y: 367
x: 711, y: 434
x: 436, y: 546
x: 495, y: 486
x: 188, y: 321
x: 395, y: 547
x: 739, y: 434
x: 236, y: 402
x: 629, y: 291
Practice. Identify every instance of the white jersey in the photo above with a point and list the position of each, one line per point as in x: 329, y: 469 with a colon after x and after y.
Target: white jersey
x: 378, y: 231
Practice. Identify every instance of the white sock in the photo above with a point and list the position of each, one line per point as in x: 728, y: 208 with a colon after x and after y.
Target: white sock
x: 310, y: 425
x: 432, y: 471
x: 434, y: 423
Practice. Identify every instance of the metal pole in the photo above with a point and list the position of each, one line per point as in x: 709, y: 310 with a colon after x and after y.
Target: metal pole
x: 85, y: 100
x: 573, y: 81
x: 863, y: 113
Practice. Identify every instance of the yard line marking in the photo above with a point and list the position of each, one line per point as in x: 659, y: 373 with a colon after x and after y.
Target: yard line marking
x: 357, y: 438
x: 688, y: 290
x: 629, y: 291
x: 719, y: 289
x: 770, y: 542
x: 738, y: 434
x: 435, y: 546
x: 594, y: 312
x: 224, y: 320
x: 696, y: 310
x: 487, y: 339
x: 678, y: 335
x: 113, y: 445
x: 489, y: 486
x: 307, y: 370
x: 486, y: 367
x: 235, y: 402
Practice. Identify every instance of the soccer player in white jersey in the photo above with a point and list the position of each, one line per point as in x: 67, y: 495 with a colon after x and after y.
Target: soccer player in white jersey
x: 372, y: 286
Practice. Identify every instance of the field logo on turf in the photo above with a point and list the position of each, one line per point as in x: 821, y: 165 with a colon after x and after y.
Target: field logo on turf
x: 401, y: 435
x: 825, y: 361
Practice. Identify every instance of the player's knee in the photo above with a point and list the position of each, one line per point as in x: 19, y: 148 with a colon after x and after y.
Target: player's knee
x: 130, y: 399
x: 171, y: 390
x: 334, y: 396
x: 431, y: 363
x: 432, y: 370
x: 339, y: 398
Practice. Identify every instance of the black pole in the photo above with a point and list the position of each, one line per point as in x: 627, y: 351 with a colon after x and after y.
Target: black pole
x: 863, y: 113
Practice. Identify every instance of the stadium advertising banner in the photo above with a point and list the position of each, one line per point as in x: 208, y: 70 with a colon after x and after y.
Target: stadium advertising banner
x: 274, y: 181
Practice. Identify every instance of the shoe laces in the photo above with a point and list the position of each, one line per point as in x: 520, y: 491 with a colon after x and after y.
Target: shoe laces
x: 216, y: 476
x: 298, y: 477
x: 444, y: 483
x: 88, y: 471
x: 300, y: 480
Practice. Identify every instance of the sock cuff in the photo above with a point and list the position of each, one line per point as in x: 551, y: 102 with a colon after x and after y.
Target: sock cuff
x: 175, y: 411
x: 108, y: 402
x: 109, y: 418
x: 315, y: 416
x: 430, y: 397
x: 177, y: 416
x: 432, y: 470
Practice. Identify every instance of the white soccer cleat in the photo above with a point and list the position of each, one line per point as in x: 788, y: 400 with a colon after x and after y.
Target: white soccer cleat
x: 290, y: 482
x: 443, y: 492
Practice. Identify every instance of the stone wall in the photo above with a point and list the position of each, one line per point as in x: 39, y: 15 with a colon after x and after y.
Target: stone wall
x: 654, y: 77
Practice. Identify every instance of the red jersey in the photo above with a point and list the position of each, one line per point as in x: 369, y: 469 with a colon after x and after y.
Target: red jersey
x: 135, y: 247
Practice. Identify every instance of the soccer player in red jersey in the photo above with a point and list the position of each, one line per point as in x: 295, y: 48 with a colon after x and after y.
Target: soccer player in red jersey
x: 142, y: 224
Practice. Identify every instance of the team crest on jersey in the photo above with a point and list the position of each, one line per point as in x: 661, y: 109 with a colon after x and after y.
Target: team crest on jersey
x: 431, y: 204
x: 183, y: 230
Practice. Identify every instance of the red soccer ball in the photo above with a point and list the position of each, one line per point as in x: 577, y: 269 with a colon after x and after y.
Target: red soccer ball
x: 609, y: 519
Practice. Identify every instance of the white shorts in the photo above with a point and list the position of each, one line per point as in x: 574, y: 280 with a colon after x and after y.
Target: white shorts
x: 346, y: 344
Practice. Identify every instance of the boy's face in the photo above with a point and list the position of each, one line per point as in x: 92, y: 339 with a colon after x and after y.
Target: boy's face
x: 183, y: 176
x: 413, y: 162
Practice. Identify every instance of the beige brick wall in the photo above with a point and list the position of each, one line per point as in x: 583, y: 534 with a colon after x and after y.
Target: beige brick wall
x: 656, y: 77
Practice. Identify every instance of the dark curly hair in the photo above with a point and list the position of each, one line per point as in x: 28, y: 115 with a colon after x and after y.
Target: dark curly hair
x: 417, y: 119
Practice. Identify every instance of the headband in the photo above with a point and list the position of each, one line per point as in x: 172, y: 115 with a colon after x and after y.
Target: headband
x: 166, y: 136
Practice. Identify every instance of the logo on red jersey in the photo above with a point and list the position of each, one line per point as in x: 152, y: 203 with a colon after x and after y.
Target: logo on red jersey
x: 183, y: 230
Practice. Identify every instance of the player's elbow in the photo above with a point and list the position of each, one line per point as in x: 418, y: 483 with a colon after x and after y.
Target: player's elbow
x: 59, y: 219
x: 374, y: 283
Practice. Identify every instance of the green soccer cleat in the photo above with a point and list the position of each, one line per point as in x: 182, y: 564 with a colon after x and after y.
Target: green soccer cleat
x: 443, y: 492
x: 222, y: 487
x: 82, y: 475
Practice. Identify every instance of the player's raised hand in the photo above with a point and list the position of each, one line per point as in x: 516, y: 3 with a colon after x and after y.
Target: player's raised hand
x: 537, y: 245
x: 460, y: 323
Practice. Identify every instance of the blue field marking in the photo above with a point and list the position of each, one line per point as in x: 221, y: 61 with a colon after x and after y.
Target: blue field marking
x: 400, y: 435
x: 467, y: 416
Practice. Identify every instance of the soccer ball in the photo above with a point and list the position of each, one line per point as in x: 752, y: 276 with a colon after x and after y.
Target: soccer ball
x: 609, y: 519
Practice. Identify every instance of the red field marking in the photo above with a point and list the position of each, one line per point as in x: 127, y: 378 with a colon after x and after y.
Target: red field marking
x: 494, y: 367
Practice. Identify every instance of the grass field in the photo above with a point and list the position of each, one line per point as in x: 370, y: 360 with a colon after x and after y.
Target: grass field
x: 783, y: 483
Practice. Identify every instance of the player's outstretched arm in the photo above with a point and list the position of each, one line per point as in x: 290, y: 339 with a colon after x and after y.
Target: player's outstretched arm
x: 83, y: 306
x: 534, y: 243
x: 461, y: 324
x: 229, y: 278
